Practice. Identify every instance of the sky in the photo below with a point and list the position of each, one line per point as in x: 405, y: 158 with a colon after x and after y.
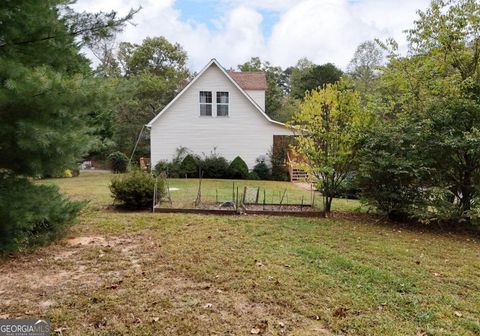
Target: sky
x: 282, y: 32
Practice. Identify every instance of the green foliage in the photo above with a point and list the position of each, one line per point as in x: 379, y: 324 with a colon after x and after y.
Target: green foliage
x: 134, y: 190
x: 261, y: 170
x: 176, y: 168
x: 253, y: 176
x: 364, y: 67
x: 329, y: 127
x: 32, y: 215
x: 308, y: 76
x: 168, y: 168
x: 151, y: 74
x: 429, y: 104
x: 46, y: 96
x: 189, y: 166
x: 391, y: 173
x: 278, y: 158
x: 238, y: 169
x: 214, y: 166
x: 118, y: 162
x: 48, y: 91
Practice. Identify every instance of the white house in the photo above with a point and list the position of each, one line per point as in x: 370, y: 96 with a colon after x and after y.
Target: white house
x: 218, y: 110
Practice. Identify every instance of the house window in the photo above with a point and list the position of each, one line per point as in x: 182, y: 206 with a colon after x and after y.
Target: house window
x: 206, y: 103
x: 222, y: 104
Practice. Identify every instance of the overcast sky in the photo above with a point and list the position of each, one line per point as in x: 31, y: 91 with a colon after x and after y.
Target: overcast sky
x: 232, y: 31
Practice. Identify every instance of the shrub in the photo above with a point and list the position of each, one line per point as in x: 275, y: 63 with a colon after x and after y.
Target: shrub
x: 279, y: 169
x: 214, y: 166
x: 118, y: 162
x: 172, y: 169
x: 31, y: 214
x: 262, y: 170
x: 238, y: 169
x: 134, y: 190
x: 348, y: 189
x: 253, y: 176
x: 189, y: 167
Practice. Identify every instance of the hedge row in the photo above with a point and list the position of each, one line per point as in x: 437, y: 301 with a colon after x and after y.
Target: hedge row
x: 215, y: 166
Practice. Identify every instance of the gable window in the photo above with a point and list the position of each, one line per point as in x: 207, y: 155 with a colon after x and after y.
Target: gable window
x: 222, y: 104
x: 206, y: 103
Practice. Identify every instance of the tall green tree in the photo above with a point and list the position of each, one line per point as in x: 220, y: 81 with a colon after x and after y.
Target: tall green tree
x: 328, y: 130
x: 47, y: 87
x: 46, y: 93
x: 364, y: 66
x: 153, y: 73
x: 307, y: 76
x: 436, y: 90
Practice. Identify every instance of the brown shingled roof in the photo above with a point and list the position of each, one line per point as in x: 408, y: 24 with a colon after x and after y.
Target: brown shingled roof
x: 253, y: 80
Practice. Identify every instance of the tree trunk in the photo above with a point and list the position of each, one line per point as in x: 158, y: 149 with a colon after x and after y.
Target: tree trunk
x: 327, y: 204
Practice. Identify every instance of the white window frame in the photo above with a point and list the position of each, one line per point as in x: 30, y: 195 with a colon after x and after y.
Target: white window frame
x: 205, y: 104
x: 227, y: 104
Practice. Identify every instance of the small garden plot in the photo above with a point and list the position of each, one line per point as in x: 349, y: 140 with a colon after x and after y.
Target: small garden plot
x: 227, y: 197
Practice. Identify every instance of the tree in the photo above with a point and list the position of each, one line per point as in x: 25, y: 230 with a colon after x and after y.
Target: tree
x: 308, y: 76
x: 47, y: 88
x: 328, y: 128
x: 153, y: 73
x: 364, y: 66
x: 46, y: 93
x: 436, y: 90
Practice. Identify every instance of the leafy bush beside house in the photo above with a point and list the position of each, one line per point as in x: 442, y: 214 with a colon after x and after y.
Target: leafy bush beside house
x: 214, y: 166
x: 279, y: 169
x: 262, y: 170
x: 189, y: 167
x: 134, y: 190
x: 238, y: 169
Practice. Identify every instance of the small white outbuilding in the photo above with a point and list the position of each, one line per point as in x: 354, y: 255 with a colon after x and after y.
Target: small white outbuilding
x: 218, y: 110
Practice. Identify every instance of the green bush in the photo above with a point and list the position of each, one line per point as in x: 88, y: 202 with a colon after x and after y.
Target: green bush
x: 118, y: 162
x: 253, y: 176
x: 134, y: 190
x: 262, y: 170
x: 214, y: 166
x: 348, y: 189
x: 172, y: 169
x: 238, y: 169
x: 31, y: 214
x: 279, y: 169
x: 189, y: 167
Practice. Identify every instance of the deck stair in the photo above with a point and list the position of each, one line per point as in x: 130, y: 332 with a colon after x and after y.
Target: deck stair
x: 296, y: 174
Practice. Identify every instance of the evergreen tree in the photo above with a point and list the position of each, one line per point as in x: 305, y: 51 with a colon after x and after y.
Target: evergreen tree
x: 46, y: 94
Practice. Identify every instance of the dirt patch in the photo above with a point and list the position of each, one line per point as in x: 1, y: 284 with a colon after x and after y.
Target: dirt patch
x: 81, y: 241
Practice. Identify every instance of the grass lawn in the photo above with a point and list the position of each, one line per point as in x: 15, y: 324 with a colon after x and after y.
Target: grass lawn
x: 120, y: 273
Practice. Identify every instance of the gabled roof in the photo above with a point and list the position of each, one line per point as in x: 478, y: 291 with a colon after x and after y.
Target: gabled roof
x: 213, y: 61
x: 252, y: 80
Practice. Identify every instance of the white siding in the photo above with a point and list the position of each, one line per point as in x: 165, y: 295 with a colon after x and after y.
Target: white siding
x: 245, y: 132
x: 258, y: 96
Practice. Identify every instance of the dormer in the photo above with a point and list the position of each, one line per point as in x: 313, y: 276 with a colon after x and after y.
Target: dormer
x: 254, y: 83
